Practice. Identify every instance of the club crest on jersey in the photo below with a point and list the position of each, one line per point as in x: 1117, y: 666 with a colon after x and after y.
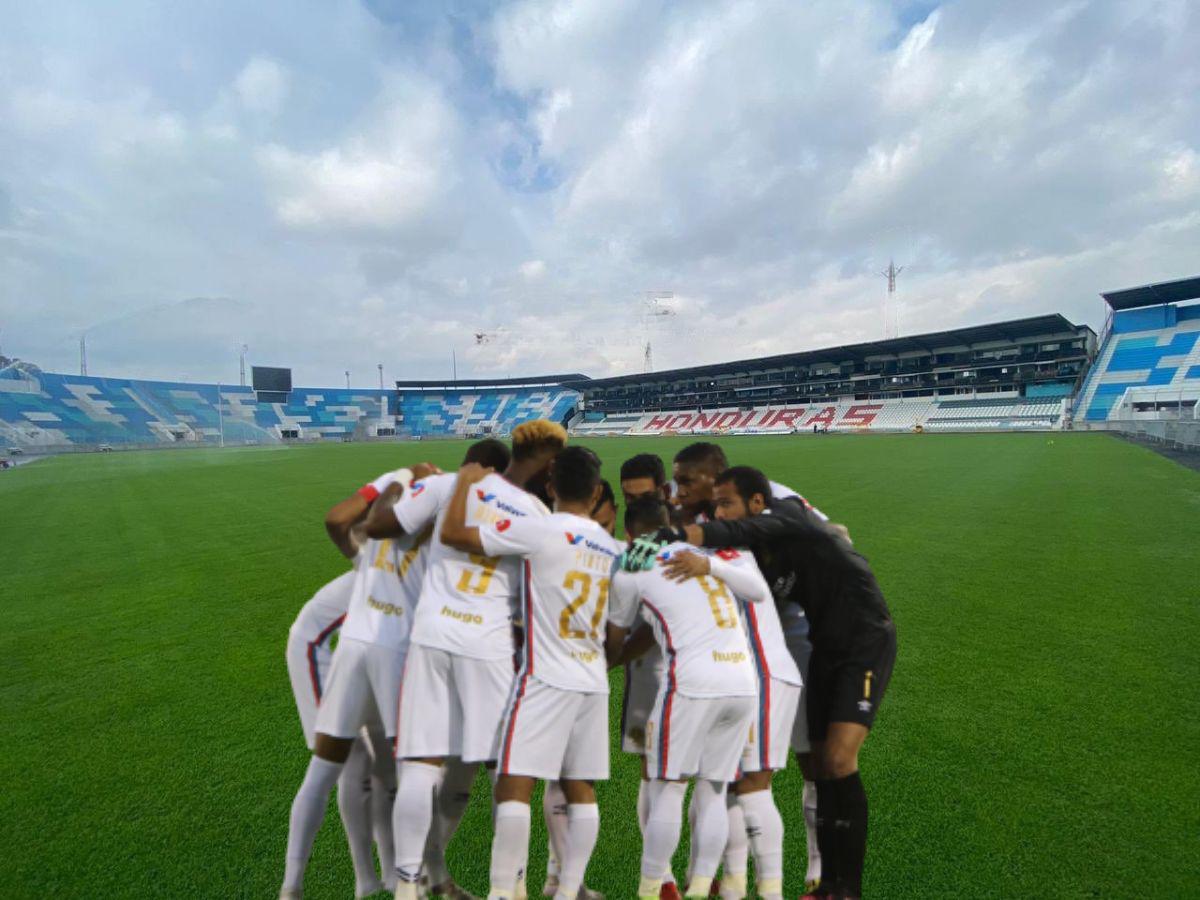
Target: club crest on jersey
x: 727, y: 553
x: 485, y: 496
x: 417, y: 489
x: 664, y: 556
x: 574, y: 538
x: 503, y: 524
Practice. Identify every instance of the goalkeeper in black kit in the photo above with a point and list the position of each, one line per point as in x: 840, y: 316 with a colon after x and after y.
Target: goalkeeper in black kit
x: 853, y: 638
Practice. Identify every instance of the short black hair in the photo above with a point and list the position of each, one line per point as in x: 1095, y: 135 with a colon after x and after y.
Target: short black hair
x: 575, y: 474
x: 606, y: 495
x: 488, y: 452
x: 645, y: 465
x: 646, y: 514
x: 703, y: 453
x: 747, y: 481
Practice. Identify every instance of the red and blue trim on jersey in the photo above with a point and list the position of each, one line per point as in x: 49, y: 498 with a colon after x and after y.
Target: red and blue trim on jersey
x: 526, y: 667
x: 314, y: 648
x: 763, y: 669
x: 669, y: 687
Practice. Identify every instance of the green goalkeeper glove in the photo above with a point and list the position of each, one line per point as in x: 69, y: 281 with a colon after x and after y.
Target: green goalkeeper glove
x: 639, y: 557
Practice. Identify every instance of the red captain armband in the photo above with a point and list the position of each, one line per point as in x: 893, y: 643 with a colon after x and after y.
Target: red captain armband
x: 728, y: 553
x: 368, y: 492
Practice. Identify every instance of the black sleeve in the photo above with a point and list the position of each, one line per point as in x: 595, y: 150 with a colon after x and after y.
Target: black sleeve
x: 782, y: 522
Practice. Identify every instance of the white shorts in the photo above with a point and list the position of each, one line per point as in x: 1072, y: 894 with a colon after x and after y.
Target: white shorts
x: 642, y: 677
x: 308, y: 662
x: 552, y: 733
x: 363, y: 688
x: 774, y: 722
x: 801, y: 651
x: 698, y: 737
x: 451, y: 705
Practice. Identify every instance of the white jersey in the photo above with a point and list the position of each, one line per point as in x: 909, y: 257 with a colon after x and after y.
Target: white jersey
x: 568, y: 562
x: 696, y: 622
x: 387, y: 585
x: 323, y: 613
x: 767, y: 644
x: 466, y: 599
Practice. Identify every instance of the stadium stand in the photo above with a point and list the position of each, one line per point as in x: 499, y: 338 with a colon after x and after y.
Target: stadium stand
x: 1010, y: 375
x: 1015, y: 375
x: 1149, y: 359
x: 48, y: 411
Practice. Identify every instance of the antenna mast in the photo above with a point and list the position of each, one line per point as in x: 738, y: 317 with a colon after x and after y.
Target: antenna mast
x: 891, y: 313
x: 654, y: 311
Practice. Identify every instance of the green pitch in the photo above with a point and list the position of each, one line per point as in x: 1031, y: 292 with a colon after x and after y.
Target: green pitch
x: 1039, y: 737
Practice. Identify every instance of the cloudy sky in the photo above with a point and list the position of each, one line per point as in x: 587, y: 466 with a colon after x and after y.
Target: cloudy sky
x: 348, y: 182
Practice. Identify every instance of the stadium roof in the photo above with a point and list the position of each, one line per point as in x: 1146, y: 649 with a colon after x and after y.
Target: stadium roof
x: 1012, y: 330
x: 1154, y: 294
x: 476, y: 383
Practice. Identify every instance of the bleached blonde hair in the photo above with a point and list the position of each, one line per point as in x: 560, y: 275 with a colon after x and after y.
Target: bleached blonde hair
x: 539, y: 434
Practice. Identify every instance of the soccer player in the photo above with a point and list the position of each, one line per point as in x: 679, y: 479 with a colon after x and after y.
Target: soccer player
x: 459, y: 668
x: 643, y: 476
x: 696, y: 468
x: 854, y: 649
x: 308, y: 659
x: 605, y: 512
x: 555, y: 725
x: 365, y: 673
x: 708, y: 697
x: 758, y: 822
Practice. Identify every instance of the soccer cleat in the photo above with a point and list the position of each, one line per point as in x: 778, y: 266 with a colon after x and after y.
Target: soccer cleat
x: 291, y: 894
x: 550, y: 888
x: 368, y: 890
x: 586, y: 893
x: 669, y: 891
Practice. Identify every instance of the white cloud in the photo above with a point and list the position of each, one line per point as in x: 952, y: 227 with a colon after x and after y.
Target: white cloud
x: 387, y: 174
x: 538, y: 166
x: 262, y: 85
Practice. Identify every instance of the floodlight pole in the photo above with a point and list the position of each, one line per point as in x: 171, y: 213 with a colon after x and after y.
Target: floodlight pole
x: 381, y: 376
x: 347, y: 379
x: 83, y: 354
x: 221, y: 413
x: 889, y: 304
x: 242, y: 366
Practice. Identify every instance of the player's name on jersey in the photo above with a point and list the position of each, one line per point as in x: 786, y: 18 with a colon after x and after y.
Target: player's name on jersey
x: 735, y: 657
x: 388, y: 609
x: 469, y: 618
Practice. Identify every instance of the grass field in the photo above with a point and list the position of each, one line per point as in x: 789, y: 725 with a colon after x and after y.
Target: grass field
x: 1040, y: 736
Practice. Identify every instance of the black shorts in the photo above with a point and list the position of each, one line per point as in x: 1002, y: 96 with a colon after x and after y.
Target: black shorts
x: 848, y: 686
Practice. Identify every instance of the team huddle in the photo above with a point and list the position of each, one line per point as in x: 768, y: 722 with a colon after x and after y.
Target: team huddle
x: 478, y: 625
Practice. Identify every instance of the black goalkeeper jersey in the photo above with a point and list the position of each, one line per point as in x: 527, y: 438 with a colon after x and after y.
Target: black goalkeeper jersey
x: 807, y: 562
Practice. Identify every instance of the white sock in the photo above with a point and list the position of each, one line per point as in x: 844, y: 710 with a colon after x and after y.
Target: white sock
x: 354, y: 805
x: 554, y: 809
x: 809, y: 798
x: 308, y: 809
x: 412, y: 817
x: 643, y: 812
x: 453, y: 795
x: 510, y: 848
x: 663, y: 825
x: 583, y: 827
x: 383, y: 807
x: 710, y: 834
x: 737, y: 849
x: 691, y: 817
x: 765, y: 827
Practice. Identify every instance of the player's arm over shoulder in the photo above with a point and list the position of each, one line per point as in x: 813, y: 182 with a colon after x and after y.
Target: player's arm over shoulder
x: 623, y: 602
x: 784, y: 519
x: 740, y: 572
